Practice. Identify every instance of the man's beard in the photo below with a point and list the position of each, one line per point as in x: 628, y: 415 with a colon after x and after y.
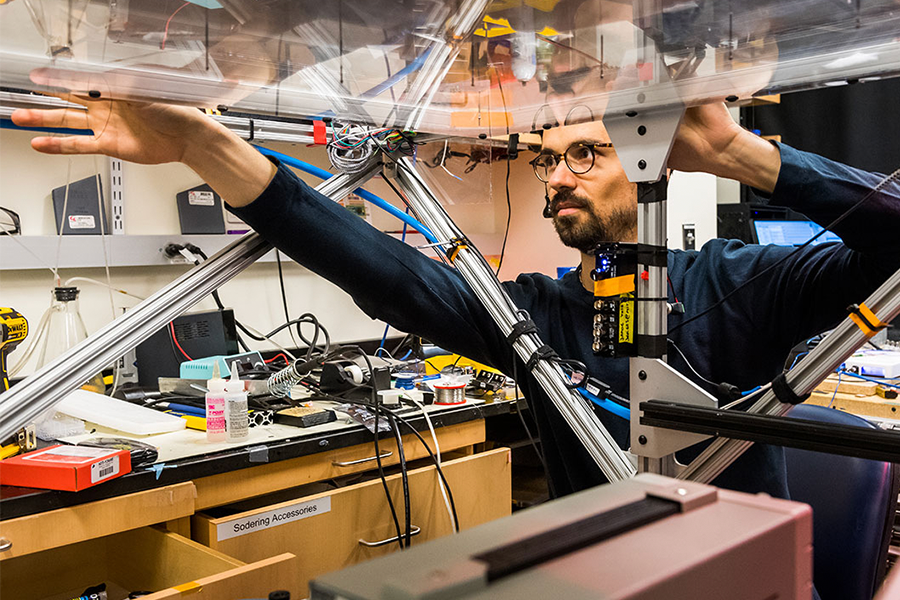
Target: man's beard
x: 583, y: 232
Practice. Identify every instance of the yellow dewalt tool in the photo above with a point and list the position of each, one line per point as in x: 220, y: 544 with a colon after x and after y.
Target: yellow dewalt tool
x: 13, y: 329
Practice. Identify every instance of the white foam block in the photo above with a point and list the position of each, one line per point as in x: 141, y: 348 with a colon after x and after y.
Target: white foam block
x: 118, y: 414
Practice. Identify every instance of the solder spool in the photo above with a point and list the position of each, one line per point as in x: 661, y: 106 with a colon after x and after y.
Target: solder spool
x: 450, y: 394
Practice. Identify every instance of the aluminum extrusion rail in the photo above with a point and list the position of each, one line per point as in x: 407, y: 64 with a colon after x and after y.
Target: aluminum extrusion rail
x: 478, y: 274
x: 824, y: 358
x: 256, y: 128
x: 39, y: 392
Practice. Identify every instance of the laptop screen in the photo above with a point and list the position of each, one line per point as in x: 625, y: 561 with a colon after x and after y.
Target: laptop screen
x: 790, y: 233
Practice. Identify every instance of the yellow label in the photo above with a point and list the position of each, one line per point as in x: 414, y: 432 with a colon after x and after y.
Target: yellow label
x: 626, y: 319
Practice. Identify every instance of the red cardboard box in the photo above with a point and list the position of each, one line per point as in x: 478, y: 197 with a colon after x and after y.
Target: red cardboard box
x: 68, y: 468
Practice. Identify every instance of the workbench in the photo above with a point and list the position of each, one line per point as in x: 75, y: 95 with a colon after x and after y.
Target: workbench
x: 856, y: 396
x: 163, y: 528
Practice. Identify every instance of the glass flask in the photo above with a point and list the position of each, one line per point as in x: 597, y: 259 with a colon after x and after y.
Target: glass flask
x: 65, y: 329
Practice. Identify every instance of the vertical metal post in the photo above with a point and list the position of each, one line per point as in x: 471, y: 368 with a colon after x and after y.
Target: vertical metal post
x: 116, y: 196
x: 652, y: 325
x: 478, y: 274
x: 39, y: 392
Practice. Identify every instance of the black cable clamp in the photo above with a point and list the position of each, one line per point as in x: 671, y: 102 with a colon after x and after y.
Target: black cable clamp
x: 784, y: 393
x: 455, y: 245
x: 523, y: 327
x: 512, y: 147
x: 652, y: 192
x: 542, y: 353
x: 652, y: 256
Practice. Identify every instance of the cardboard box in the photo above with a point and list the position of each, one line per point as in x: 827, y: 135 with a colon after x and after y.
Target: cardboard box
x: 68, y: 468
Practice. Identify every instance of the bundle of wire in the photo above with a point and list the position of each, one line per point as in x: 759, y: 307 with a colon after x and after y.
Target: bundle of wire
x: 352, y: 145
x: 301, y: 373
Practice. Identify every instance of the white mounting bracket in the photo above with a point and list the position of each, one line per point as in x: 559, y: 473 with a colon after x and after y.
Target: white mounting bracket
x: 653, y: 379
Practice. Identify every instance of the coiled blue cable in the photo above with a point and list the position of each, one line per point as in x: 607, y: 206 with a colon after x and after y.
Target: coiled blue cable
x: 364, y: 194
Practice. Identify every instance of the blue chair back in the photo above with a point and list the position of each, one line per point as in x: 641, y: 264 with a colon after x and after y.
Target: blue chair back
x: 854, y: 501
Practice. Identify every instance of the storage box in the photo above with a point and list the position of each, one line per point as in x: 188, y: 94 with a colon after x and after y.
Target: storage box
x: 68, y: 468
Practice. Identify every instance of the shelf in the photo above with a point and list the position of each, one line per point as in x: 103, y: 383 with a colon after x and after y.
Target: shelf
x: 86, y: 251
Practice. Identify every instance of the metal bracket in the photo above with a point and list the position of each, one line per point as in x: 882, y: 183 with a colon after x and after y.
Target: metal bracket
x: 643, y: 137
x: 652, y: 379
x: 25, y: 438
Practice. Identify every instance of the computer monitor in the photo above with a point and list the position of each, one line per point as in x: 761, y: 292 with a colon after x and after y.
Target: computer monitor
x: 790, y: 233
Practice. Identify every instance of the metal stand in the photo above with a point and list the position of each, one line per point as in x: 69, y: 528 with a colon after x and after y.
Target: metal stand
x: 825, y: 358
x: 643, y: 140
x: 475, y: 270
x: 29, y: 399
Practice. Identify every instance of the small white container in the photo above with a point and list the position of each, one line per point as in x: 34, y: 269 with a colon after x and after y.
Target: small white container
x: 215, y: 407
x: 236, y: 420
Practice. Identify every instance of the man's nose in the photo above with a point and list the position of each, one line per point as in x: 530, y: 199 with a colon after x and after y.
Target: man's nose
x: 561, y: 177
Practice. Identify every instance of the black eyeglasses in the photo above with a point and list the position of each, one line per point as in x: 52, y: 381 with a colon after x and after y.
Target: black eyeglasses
x: 578, y: 157
x: 9, y: 222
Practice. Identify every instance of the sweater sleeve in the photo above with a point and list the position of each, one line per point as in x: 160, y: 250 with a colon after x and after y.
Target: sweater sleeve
x: 823, y: 190
x: 798, y: 293
x: 386, y: 278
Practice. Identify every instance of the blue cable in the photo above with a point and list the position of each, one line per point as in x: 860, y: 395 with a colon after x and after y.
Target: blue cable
x: 415, y: 65
x: 748, y: 392
x: 607, y: 405
x: 797, y: 358
x: 872, y: 379
x: 7, y: 124
x: 364, y: 194
x: 836, y: 388
x: 288, y: 160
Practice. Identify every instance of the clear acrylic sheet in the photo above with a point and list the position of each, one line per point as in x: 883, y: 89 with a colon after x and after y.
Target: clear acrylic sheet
x: 466, y: 67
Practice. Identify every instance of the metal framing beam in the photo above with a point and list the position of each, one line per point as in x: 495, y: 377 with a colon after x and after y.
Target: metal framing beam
x: 611, y: 459
x: 824, y: 358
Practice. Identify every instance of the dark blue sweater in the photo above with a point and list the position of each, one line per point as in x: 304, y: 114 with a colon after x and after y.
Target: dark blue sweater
x: 744, y: 342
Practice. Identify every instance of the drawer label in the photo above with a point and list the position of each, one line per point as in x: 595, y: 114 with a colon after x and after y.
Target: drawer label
x: 272, y: 518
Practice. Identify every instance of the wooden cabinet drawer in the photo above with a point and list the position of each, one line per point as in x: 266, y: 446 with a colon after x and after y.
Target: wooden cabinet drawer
x: 145, y: 559
x: 234, y: 486
x: 56, y: 528
x: 328, y: 536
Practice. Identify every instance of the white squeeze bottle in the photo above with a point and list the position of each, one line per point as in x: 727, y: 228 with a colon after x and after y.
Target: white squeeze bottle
x: 236, y: 425
x: 215, y: 407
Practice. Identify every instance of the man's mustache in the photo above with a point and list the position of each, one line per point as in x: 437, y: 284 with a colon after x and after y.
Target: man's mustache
x: 568, y: 198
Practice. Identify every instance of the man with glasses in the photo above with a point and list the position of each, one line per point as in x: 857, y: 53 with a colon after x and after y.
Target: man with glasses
x: 589, y: 200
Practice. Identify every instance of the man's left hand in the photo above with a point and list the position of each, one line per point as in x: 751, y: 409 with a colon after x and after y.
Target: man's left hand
x: 709, y: 141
